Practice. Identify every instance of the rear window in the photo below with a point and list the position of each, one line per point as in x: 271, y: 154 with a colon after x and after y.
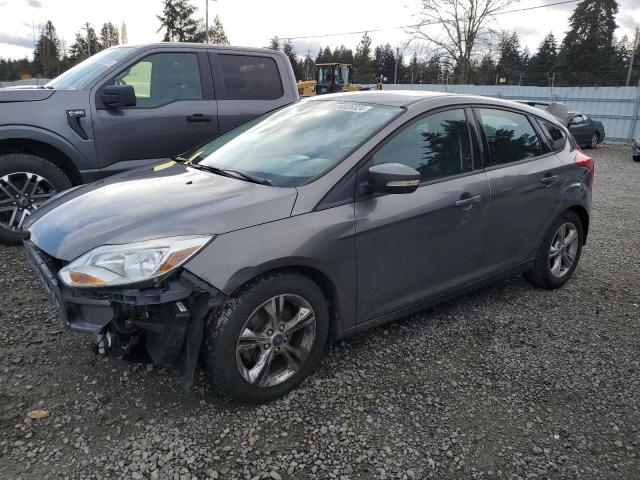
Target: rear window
x: 557, y: 136
x: 248, y: 77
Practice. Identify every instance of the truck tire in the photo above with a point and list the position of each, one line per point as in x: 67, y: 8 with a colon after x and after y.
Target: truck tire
x: 26, y: 182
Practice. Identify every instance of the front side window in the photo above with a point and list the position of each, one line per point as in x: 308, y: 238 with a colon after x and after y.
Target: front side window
x: 510, y: 136
x: 298, y: 143
x: 437, y: 146
x: 163, y: 78
x: 248, y: 77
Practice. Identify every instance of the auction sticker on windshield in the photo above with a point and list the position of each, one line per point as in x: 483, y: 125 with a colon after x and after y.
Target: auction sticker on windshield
x: 352, y: 107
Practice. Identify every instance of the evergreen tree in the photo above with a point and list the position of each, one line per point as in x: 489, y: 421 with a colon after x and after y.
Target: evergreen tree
x: 124, y: 38
x: 307, y: 67
x: 93, y: 42
x: 546, y: 57
x: 432, y: 71
x: 589, y: 43
x: 177, y: 20
x: 274, y: 43
x: 290, y: 52
x: 510, y: 63
x: 217, y: 34
x: 485, y: 71
x: 362, y: 63
x: 109, y: 35
x: 47, y: 53
x: 78, y: 50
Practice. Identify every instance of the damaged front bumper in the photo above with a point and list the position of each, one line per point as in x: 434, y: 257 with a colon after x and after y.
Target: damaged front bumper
x: 168, y: 317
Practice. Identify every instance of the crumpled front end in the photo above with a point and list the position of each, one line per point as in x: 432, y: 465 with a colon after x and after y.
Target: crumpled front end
x: 167, y: 318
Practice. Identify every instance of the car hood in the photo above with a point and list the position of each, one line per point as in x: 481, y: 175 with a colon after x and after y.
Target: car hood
x: 167, y: 200
x: 24, y: 94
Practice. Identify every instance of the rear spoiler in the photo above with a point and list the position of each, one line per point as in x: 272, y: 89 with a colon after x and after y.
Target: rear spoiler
x: 557, y: 109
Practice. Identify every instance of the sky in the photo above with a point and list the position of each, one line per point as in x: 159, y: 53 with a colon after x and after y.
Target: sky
x: 253, y: 22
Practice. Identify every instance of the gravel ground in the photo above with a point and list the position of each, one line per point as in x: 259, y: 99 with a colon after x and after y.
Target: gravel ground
x: 508, y: 382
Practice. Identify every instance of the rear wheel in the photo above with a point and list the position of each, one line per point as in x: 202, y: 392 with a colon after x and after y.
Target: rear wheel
x: 267, y: 339
x: 26, y: 182
x: 595, y: 139
x: 559, y: 252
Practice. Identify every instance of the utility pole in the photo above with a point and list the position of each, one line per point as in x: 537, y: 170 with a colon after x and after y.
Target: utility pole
x: 206, y: 22
x: 395, y: 70
x: 86, y: 27
x: 633, y: 54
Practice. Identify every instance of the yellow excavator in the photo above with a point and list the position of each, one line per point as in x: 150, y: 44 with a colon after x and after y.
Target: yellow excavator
x: 331, y: 78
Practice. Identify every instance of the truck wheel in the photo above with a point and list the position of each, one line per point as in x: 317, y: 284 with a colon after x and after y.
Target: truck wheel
x: 267, y: 338
x: 26, y: 182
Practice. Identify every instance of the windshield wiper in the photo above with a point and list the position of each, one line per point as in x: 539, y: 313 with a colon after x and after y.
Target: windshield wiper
x: 228, y: 172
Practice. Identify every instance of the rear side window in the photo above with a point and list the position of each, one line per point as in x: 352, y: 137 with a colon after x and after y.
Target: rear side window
x: 163, y: 78
x: 247, y: 77
x: 437, y: 146
x: 510, y: 136
x: 556, y: 135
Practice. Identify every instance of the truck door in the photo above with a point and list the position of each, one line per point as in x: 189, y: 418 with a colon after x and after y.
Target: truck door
x: 176, y: 110
x: 247, y: 85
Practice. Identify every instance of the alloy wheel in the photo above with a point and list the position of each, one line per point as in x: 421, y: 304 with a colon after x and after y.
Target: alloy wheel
x: 564, y: 248
x: 20, y: 194
x: 276, y: 340
x: 594, y: 141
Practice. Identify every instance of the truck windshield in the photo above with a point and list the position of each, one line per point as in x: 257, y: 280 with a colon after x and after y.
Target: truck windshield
x: 298, y: 143
x: 78, y: 76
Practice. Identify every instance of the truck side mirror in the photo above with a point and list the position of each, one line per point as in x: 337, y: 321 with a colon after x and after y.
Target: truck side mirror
x: 118, y: 96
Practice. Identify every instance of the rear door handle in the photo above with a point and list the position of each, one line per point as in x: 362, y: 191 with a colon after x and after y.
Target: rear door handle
x: 549, y: 179
x: 199, y: 118
x: 467, y: 200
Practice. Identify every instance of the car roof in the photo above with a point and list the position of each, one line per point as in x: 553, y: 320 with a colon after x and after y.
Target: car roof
x: 392, y: 98
x: 406, y: 98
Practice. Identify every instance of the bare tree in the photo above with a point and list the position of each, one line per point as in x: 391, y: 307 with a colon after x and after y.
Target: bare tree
x: 457, y: 27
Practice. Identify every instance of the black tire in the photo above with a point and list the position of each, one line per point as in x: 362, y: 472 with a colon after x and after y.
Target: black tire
x: 223, y: 329
x: 541, y: 275
x: 12, y: 163
x: 595, y: 140
x: 636, y: 159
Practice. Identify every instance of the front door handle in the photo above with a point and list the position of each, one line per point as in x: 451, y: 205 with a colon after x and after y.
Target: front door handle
x: 199, y: 118
x: 548, y: 179
x: 466, y: 200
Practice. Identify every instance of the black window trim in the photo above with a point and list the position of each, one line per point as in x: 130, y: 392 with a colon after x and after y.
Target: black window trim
x: 548, y: 137
x: 485, y: 143
x: 206, y: 84
x: 365, y: 162
x: 214, y: 59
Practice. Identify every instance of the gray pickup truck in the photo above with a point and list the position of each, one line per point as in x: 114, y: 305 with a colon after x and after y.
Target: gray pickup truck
x: 127, y: 107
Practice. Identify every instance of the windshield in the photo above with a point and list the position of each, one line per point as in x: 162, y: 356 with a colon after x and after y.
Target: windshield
x: 298, y: 143
x: 78, y: 76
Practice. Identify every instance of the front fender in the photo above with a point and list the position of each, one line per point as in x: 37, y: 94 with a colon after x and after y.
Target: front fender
x: 48, y: 137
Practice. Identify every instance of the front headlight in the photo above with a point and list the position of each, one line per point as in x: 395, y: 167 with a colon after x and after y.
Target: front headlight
x: 112, y: 265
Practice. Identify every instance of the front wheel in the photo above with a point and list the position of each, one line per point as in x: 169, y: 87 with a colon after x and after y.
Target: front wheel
x: 26, y: 182
x: 559, y: 252
x: 595, y: 139
x: 267, y: 339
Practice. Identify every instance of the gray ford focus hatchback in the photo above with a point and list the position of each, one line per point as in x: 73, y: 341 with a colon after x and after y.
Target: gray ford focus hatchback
x: 312, y: 222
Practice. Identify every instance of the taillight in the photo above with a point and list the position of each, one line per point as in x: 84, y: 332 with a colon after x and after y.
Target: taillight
x: 585, y: 161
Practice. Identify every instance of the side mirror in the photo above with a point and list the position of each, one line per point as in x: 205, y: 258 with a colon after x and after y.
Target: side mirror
x: 118, y: 96
x: 393, y: 178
